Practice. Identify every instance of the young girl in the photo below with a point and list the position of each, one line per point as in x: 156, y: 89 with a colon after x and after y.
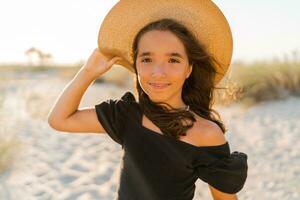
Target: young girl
x: 170, y: 135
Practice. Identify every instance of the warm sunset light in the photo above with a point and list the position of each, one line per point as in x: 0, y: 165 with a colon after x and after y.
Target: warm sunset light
x: 68, y: 29
x: 79, y: 123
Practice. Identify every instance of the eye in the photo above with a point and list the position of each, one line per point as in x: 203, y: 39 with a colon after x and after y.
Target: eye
x: 176, y: 61
x: 145, y: 59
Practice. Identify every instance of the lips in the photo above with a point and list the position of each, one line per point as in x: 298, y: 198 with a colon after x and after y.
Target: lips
x: 159, y: 85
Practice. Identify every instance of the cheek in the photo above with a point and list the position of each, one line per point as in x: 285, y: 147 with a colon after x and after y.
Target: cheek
x: 144, y: 70
x: 143, y: 77
x: 178, y: 76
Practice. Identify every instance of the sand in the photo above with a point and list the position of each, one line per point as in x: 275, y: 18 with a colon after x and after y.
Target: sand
x: 81, y: 166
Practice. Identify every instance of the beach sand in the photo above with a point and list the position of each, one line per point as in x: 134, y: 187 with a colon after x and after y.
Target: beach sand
x: 81, y: 166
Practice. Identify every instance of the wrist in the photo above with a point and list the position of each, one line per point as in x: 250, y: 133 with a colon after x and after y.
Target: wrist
x: 86, y: 74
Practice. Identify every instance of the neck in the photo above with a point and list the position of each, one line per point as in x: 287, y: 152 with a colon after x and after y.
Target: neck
x: 180, y: 106
x: 176, y: 102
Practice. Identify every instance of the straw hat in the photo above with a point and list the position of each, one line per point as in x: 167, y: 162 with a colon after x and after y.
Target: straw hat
x: 202, y: 17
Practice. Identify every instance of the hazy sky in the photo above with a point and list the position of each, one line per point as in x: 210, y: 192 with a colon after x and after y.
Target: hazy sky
x: 68, y: 29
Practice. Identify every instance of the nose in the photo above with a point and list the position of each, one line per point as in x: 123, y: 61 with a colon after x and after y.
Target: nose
x: 158, y: 71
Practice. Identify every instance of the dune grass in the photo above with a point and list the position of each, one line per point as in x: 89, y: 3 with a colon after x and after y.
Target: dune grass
x: 257, y: 82
x: 9, y: 148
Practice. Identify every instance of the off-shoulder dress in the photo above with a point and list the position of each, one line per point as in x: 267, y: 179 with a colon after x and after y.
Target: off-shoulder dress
x: 159, y: 167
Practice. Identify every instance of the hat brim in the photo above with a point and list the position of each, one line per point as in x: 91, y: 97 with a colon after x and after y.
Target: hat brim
x: 202, y: 17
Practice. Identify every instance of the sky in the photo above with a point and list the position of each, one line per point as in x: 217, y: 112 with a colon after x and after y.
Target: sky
x: 68, y: 29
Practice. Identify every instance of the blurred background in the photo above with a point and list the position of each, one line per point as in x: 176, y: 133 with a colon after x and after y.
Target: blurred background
x: 43, y: 44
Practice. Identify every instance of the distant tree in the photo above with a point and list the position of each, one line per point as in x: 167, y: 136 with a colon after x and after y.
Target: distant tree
x: 37, y: 57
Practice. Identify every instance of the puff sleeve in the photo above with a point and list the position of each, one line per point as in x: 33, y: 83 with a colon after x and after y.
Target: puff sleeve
x: 112, y: 115
x: 223, y: 170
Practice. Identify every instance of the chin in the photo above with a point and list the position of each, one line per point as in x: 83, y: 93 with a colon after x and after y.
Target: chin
x: 158, y: 97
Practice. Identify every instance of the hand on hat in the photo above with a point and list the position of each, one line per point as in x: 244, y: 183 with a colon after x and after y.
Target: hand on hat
x: 97, y: 64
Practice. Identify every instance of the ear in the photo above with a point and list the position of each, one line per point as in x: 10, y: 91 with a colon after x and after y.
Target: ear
x: 190, y: 69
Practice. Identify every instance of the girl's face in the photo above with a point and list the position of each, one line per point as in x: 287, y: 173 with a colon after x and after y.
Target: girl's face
x: 162, y: 66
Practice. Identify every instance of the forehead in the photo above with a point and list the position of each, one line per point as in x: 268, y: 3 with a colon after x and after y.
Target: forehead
x: 160, y: 41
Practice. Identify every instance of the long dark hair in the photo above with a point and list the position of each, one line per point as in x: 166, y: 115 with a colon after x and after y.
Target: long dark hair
x: 197, y: 91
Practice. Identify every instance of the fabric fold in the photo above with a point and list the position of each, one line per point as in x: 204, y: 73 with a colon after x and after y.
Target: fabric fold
x: 227, y: 174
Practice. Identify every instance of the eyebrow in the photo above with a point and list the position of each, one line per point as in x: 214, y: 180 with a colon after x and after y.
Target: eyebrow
x: 168, y: 54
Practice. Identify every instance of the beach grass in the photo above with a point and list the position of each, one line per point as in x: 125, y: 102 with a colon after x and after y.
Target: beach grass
x: 10, y: 147
x: 250, y: 84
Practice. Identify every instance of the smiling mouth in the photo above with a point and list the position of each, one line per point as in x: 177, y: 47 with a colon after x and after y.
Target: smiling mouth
x: 159, y: 85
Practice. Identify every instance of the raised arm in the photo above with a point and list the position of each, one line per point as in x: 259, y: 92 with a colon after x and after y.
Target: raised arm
x: 65, y: 114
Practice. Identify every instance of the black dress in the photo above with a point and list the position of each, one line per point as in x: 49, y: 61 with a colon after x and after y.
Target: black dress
x: 159, y: 167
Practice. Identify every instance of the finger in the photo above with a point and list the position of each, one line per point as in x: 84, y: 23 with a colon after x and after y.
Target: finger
x: 114, y: 59
x: 117, y: 58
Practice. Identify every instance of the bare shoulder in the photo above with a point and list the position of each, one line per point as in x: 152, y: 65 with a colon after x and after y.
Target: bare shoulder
x: 207, y: 133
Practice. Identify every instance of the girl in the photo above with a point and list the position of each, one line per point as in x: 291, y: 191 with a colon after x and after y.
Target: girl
x: 170, y: 136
